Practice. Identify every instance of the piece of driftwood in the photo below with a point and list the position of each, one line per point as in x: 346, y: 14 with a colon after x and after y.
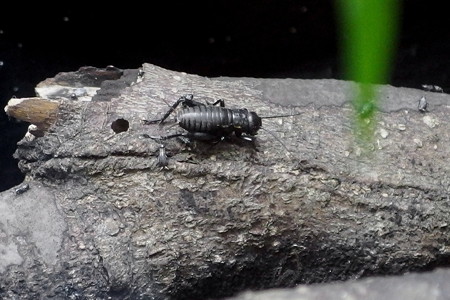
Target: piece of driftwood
x: 97, y: 218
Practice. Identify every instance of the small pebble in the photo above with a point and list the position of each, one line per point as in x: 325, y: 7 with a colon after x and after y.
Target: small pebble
x: 430, y: 121
x: 384, y: 133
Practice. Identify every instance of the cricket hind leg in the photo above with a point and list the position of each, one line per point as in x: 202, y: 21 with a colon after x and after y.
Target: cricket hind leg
x: 221, y: 103
x: 190, y: 102
x: 186, y: 100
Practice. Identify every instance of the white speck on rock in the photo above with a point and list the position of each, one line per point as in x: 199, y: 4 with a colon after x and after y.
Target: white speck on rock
x: 430, y: 121
x: 384, y: 133
x: 418, y: 143
x: 401, y: 127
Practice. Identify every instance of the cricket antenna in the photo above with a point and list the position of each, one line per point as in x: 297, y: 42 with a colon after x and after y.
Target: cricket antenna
x: 277, y: 138
x: 281, y: 116
x: 273, y: 134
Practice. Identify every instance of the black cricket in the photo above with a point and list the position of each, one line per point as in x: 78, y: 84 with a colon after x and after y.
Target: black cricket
x: 210, y: 122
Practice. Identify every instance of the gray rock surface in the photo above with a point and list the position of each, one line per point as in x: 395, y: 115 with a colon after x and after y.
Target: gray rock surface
x: 433, y: 285
x: 31, y: 218
x: 101, y: 220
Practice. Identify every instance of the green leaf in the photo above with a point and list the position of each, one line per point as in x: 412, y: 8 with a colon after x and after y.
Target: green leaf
x: 368, y: 43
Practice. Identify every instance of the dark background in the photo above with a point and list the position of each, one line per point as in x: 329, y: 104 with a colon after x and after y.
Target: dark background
x: 297, y: 39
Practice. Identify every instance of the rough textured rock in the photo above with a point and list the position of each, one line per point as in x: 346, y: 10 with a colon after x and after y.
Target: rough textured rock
x: 432, y: 285
x: 101, y: 220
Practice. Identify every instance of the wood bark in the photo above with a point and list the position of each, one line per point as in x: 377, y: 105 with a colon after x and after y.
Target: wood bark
x: 101, y: 220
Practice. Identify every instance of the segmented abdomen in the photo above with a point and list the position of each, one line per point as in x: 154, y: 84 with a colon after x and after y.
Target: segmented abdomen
x: 208, y: 119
